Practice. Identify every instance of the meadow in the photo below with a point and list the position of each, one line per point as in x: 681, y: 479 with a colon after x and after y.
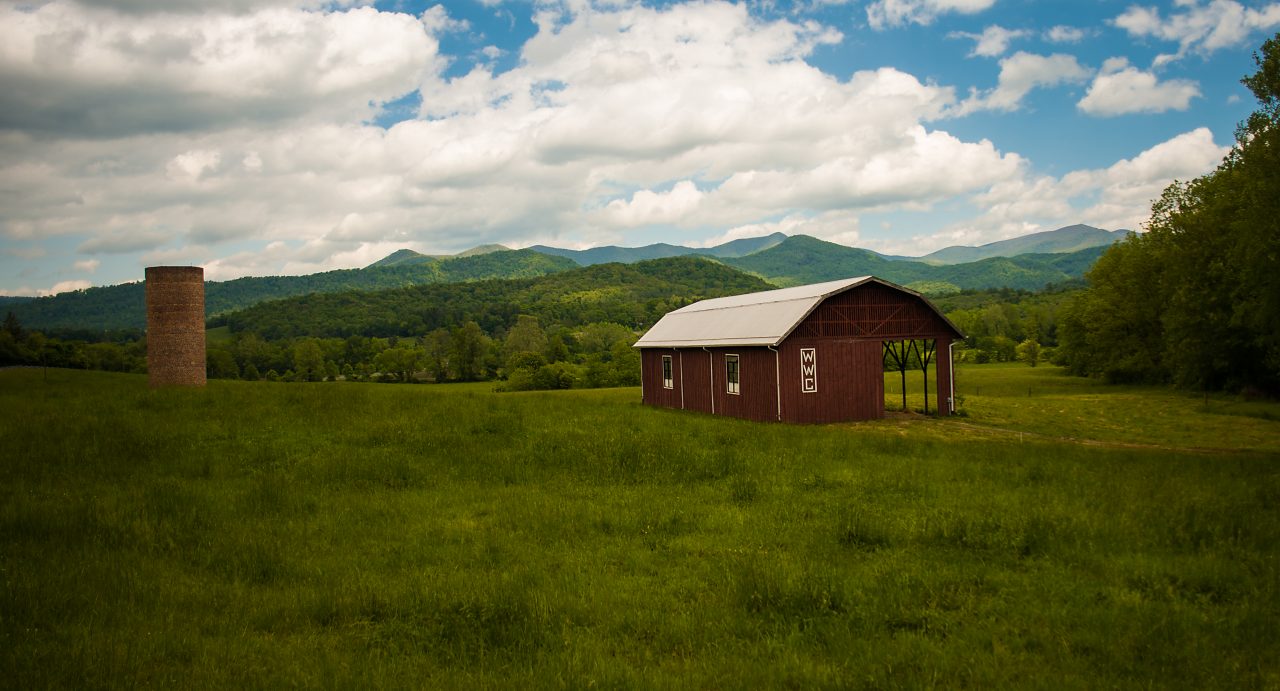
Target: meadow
x: 1060, y: 534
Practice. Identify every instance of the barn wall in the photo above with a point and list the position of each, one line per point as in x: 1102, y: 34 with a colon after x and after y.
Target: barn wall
x: 697, y: 380
x: 850, y: 380
x: 651, y: 376
x: 758, y: 394
x: 705, y: 390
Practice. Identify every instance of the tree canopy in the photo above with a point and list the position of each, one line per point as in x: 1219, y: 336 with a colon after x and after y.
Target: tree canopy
x: 1196, y: 299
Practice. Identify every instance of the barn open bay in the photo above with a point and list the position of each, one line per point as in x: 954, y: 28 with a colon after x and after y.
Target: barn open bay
x: 257, y: 534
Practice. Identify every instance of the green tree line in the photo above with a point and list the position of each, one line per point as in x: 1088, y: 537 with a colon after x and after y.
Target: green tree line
x: 1195, y: 300
x: 114, y: 352
x: 525, y: 357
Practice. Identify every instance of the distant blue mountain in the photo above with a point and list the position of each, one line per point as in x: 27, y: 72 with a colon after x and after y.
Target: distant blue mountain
x: 630, y: 255
x: 1060, y: 241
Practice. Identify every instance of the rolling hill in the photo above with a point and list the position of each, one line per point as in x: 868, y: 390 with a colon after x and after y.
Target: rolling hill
x: 802, y: 259
x: 124, y: 306
x: 635, y: 295
x: 1061, y: 241
x: 627, y: 255
x: 776, y: 258
x: 407, y: 257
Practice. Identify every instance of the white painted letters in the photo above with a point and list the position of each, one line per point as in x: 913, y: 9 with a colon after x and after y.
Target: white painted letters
x: 809, y: 370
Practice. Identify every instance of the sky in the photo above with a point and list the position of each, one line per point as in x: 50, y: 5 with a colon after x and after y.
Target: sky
x: 267, y: 137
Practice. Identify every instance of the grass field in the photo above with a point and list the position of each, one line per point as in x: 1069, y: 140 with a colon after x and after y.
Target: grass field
x: 1060, y: 535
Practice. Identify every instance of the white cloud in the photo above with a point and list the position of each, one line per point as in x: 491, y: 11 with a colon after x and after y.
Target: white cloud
x: 66, y: 68
x: 1019, y: 74
x: 889, y: 13
x: 654, y: 208
x: 1115, y: 197
x: 993, y: 41
x: 139, y: 7
x: 437, y: 20
x: 1202, y: 28
x: 612, y: 122
x: 1065, y: 34
x: 192, y: 165
x: 1120, y: 88
x: 87, y: 266
x: 65, y: 287
x: 833, y: 226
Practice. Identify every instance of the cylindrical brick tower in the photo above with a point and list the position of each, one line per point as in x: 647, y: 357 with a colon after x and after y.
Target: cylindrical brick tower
x: 175, y: 326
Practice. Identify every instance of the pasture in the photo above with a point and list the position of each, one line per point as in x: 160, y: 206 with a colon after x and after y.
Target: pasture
x: 1061, y: 534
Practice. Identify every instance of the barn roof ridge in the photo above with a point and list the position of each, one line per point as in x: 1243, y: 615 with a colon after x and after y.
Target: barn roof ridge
x: 804, y: 292
x: 765, y: 318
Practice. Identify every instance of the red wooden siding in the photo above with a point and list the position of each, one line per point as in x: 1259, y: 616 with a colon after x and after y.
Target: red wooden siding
x: 873, y: 311
x: 757, y: 397
x: 850, y: 376
x: 651, y: 377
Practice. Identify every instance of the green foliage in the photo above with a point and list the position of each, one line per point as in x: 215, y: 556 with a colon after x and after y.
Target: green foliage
x: 1029, y: 352
x: 996, y: 321
x: 934, y: 288
x: 21, y: 346
x: 634, y: 295
x: 1196, y: 300
x: 445, y: 537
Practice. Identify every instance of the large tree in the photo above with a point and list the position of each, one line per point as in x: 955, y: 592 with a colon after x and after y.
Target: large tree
x: 1196, y: 299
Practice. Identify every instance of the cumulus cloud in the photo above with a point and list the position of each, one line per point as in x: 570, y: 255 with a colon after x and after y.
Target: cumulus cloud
x: 137, y: 7
x: 834, y: 226
x: 1120, y: 88
x: 613, y: 121
x: 888, y: 13
x: 76, y: 70
x: 1118, y: 196
x: 65, y: 287
x: 1199, y: 27
x: 87, y: 266
x: 1019, y: 74
x: 993, y: 41
x: 1064, y: 34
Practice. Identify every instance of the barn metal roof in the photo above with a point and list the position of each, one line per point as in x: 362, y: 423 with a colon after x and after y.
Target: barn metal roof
x: 754, y: 319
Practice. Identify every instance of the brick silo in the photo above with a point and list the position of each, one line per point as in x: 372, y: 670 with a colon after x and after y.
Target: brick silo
x: 175, y: 326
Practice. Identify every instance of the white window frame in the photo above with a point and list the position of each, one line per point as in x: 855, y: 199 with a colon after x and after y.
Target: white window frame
x: 732, y: 377
x: 668, y: 372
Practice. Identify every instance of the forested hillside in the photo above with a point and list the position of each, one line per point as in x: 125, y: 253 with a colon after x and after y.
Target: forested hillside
x: 124, y: 306
x: 569, y: 329
x: 633, y: 295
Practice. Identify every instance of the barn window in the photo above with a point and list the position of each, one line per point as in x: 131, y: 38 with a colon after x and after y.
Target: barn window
x: 731, y: 373
x: 667, y: 382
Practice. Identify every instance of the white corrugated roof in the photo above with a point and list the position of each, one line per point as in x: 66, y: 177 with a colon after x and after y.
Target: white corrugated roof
x: 759, y: 319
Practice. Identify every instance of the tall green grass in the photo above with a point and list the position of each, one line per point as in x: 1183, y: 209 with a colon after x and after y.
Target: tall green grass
x: 333, y: 535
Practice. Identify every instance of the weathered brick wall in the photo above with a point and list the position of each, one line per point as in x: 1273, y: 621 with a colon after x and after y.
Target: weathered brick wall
x: 175, y: 326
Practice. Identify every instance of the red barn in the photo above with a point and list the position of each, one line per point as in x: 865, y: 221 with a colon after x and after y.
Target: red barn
x: 812, y: 353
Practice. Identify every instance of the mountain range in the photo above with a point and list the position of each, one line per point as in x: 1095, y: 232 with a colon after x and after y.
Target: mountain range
x: 1051, y: 257
x: 1061, y: 241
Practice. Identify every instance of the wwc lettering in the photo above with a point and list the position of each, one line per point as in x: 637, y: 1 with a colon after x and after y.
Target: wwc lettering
x: 809, y: 370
